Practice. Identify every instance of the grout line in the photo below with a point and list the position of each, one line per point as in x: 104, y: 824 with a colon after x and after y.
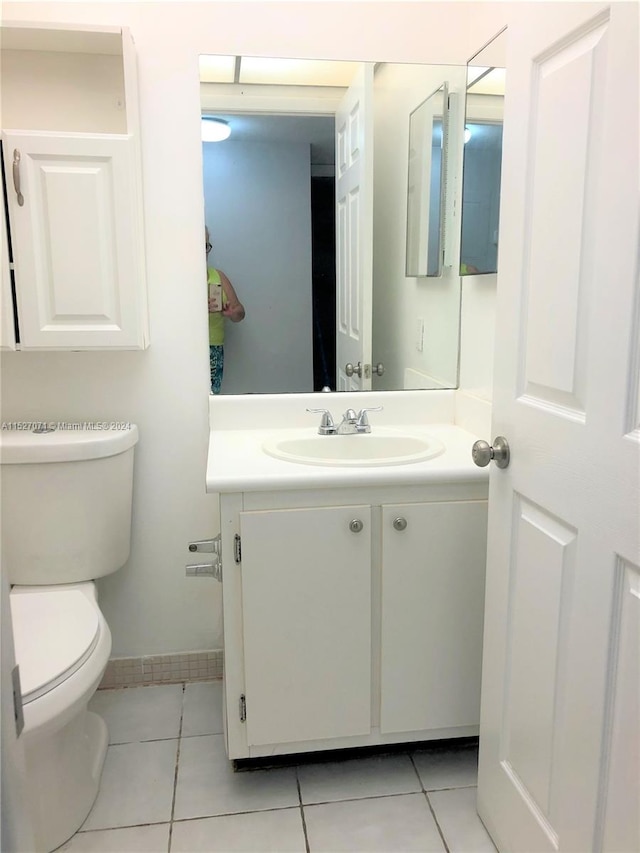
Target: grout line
x: 299, y: 805
x: 435, y: 818
x: 209, y: 734
x: 258, y: 811
x: 359, y: 799
x: 450, y: 788
x: 113, y: 828
x: 171, y: 737
x: 234, y: 814
x: 175, y: 775
x: 145, y: 740
x: 431, y: 809
x: 304, y: 823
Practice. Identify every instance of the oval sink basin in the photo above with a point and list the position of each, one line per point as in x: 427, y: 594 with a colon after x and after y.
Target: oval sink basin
x: 368, y: 449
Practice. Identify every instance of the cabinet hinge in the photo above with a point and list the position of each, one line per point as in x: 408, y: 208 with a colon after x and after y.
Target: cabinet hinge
x: 243, y: 708
x: 237, y: 548
x: 17, y: 700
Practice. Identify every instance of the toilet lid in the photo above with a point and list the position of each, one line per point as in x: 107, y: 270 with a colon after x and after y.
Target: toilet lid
x: 54, y: 633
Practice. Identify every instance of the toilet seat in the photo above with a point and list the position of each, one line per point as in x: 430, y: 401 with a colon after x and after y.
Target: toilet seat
x: 65, y: 623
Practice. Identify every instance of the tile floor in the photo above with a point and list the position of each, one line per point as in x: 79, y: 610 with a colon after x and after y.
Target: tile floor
x: 168, y: 786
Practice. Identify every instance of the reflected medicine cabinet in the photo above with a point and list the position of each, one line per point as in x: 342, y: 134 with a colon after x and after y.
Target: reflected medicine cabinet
x: 426, y: 185
x: 73, y: 273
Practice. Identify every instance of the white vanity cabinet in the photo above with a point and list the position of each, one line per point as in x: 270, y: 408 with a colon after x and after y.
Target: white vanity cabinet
x: 73, y: 272
x: 352, y: 617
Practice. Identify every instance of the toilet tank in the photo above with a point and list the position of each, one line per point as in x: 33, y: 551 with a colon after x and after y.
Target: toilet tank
x: 65, y: 502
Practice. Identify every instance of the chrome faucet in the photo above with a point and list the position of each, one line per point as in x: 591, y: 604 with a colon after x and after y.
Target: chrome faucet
x: 351, y: 424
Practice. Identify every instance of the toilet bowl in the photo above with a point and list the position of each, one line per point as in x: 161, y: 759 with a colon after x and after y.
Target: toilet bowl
x: 65, y: 744
x: 66, y: 520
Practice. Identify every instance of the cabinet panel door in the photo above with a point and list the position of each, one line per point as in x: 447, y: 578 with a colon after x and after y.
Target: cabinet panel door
x: 7, y: 333
x: 432, y: 615
x: 77, y: 241
x: 306, y: 604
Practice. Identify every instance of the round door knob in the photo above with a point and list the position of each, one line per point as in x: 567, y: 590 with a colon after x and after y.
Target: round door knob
x: 349, y: 369
x: 482, y: 452
x: 356, y: 525
x: 378, y: 369
x: 399, y: 523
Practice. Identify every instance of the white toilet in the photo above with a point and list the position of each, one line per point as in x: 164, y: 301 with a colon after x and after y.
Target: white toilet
x: 66, y: 520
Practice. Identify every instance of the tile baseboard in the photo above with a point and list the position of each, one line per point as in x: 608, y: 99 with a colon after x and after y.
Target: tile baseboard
x: 163, y: 669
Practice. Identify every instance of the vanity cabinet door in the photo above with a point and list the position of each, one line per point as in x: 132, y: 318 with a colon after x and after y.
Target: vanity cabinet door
x: 76, y: 237
x: 433, y: 571
x: 306, y: 609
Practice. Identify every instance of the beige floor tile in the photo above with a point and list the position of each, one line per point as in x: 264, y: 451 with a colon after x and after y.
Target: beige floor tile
x: 207, y: 784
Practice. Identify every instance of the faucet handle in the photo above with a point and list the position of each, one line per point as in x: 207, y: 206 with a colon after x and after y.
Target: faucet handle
x: 363, y: 420
x: 327, y: 425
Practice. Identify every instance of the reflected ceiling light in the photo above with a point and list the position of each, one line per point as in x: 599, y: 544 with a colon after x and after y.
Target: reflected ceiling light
x: 214, y: 129
x: 295, y: 72
x: 258, y: 70
x: 467, y: 135
x: 217, y: 69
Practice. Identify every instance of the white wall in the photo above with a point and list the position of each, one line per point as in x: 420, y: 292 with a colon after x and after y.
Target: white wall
x: 258, y: 208
x: 477, y: 326
x: 150, y: 605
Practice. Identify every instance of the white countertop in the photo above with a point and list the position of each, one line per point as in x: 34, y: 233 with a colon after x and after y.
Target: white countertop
x: 237, y: 463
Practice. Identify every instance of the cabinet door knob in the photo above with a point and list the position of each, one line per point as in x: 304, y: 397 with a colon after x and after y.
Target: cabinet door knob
x: 356, y: 525
x: 399, y: 523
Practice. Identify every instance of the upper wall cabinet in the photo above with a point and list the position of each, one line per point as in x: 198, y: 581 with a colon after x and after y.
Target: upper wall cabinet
x: 73, y: 272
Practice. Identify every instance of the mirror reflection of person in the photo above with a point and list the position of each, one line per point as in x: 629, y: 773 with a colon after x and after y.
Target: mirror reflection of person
x: 223, y: 304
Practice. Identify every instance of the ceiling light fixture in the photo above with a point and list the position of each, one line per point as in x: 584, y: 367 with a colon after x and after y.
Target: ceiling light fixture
x: 214, y: 129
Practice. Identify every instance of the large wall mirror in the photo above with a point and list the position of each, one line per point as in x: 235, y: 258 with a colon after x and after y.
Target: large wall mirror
x: 483, y: 159
x: 271, y: 190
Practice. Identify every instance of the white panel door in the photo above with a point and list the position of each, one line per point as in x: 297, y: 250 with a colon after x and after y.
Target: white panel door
x: 432, y: 610
x: 7, y: 332
x: 306, y: 622
x: 559, y: 741
x: 77, y: 241
x: 354, y: 232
